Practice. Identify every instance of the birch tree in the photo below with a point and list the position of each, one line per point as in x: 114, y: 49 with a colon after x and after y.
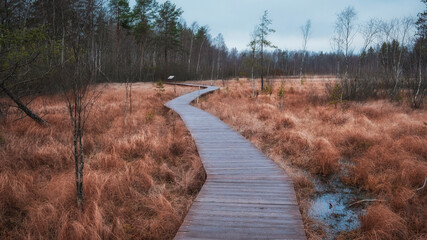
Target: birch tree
x: 345, y: 32
x: 306, y: 32
x: 363, y: 85
x: 402, y: 31
x: 420, y: 89
x: 369, y: 32
x: 79, y: 101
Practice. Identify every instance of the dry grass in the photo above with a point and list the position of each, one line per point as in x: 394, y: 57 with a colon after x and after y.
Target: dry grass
x: 140, y: 179
x: 386, y: 144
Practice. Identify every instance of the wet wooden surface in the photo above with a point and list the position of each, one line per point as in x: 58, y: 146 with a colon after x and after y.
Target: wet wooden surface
x: 246, y: 195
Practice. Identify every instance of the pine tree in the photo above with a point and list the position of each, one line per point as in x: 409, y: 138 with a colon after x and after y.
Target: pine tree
x: 167, y: 24
x: 263, y: 31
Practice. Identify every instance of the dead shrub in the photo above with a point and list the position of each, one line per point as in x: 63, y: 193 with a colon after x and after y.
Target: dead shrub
x: 164, y: 174
x: 106, y: 162
x: 195, y: 180
x: 177, y: 148
x: 325, y: 158
x: 292, y: 144
x: 334, y: 117
x: 284, y: 122
x: 264, y: 115
x: 372, y: 112
x: 414, y: 144
x: 382, y: 223
x: 302, y: 182
x: 315, y: 98
x: 353, y: 143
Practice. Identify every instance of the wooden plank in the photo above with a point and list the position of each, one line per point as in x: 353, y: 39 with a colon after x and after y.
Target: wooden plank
x: 246, y: 195
x: 246, y: 232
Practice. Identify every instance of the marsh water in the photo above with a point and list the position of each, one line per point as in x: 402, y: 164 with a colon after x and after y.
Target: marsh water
x: 330, y: 205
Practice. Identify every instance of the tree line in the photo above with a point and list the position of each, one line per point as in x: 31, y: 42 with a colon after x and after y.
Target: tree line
x: 117, y: 43
x: 391, y: 62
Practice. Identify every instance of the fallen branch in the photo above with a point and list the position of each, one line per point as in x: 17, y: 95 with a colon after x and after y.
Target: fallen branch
x: 365, y: 200
x: 419, y: 189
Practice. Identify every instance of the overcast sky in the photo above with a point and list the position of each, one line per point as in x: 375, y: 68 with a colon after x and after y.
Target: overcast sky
x: 236, y: 19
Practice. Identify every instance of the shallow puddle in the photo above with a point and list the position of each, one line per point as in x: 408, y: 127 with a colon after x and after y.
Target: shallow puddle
x: 330, y: 206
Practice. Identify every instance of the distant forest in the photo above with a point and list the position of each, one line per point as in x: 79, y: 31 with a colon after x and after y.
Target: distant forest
x: 44, y: 43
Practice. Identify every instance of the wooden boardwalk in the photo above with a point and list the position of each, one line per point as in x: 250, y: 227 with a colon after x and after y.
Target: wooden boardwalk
x: 246, y: 195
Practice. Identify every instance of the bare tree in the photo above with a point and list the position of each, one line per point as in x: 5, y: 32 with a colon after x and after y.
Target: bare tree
x: 345, y: 32
x: 306, y: 32
x: 80, y: 96
x: 369, y: 32
x: 420, y: 90
x: 80, y: 93
x: 128, y: 98
x: 402, y: 31
x: 363, y: 86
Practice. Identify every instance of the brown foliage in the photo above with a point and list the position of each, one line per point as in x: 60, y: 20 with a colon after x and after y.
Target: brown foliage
x: 385, y: 145
x: 382, y: 223
x: 139, y: 179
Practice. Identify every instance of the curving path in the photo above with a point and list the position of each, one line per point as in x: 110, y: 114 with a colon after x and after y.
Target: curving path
x: 246, y: 195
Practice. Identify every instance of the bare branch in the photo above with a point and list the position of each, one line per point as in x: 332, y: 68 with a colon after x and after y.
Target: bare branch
x: 365, y: 200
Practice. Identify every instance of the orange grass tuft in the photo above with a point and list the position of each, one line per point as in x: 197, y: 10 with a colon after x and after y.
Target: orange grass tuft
x: 382, y: 223
x: 385, y: 144
x: 139, y: 179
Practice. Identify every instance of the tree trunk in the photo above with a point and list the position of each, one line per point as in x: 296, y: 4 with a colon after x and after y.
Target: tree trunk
x: 80, y: 193
x: 253, y: 81
x: 212, y: 72
x: 198, y: 59
x: 189, y: 56
x: 218, y: 64
x: 262, y: 63
x: 166, y: 55
x: 141, y: 63
x: 130, y: 98
x: 75, y: 114
x: 63, y: 40
x: 117, y: 44
x: 23, y: 107
x: 300, y: 72
x: 417, y: 103
x: 126, y: 99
